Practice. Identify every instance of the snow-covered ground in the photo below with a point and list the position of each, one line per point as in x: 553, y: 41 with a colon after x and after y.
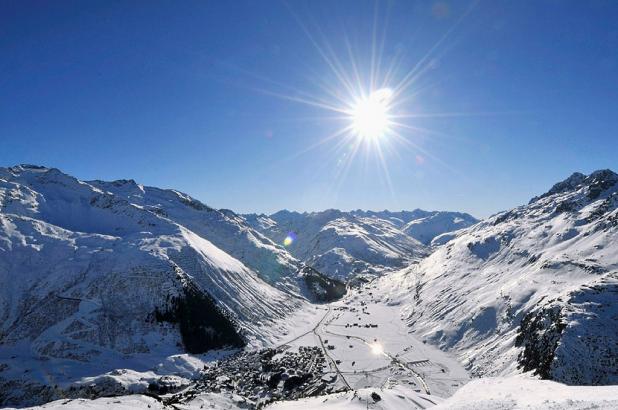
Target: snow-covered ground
x: 101, y: 276
x: 396, y: 398
x: 534, y: 288
x: 484, y: 394
x: 386, y: 367
x: 523, y: 393
x: 370, y: 345
x: 115, y: 403
x: 109, y: 284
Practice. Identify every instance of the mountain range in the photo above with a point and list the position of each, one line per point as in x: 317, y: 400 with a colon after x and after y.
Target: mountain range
x: 100, y: 276
x: 529, y: 289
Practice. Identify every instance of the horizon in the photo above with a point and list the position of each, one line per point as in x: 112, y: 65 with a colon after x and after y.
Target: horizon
x: 233, y: 103
x: 412, y: 209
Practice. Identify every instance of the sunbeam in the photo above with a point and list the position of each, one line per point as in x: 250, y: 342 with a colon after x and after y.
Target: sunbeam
x: 369, y: 98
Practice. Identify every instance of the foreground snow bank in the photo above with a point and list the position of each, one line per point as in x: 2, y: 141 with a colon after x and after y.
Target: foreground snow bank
x: 115, y: 403
x: 138, y: 402
x: 522, y: 393
x: 399, y: 397
x: 480, y: 394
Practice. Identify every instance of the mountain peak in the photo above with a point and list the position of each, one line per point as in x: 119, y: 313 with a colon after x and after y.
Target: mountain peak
x: 597, y: 182
x: 18, y: 169
x: 600, y: 181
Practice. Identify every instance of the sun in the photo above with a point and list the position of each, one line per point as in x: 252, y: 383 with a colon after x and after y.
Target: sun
x: 370, y: 115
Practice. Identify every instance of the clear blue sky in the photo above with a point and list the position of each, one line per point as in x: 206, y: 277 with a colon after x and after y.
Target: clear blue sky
x: 180, y: 95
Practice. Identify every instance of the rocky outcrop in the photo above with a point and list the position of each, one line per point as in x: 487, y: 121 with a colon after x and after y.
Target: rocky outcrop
x: 320, y: 287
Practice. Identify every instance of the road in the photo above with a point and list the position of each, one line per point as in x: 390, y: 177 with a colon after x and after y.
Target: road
x: 393, y: 359
x: 321, y: 331
x: 331, y: 362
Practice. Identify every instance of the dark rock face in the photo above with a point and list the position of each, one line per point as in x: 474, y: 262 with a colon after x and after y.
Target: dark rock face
x: 588, y: 350
x: 600, y: 181
x: 322, y: 288
x: 573, y: 341
x: 568, y: 184
x: 195, y: 204
x: 597, y: 183
x: 505, y: 216
x: 203, y: 325
x: 539, y: 334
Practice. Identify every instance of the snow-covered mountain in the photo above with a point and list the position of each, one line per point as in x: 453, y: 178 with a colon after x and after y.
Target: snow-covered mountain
x: 530, y: 289
x: 339, y: 244
x: 343, y: 244
x: 437, y: 224
x: 107, y: 285
x: 422, y: 225
x: 223, y: 228
x: 92, y: 272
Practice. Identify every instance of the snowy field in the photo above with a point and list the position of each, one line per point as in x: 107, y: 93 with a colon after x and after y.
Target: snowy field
x: 98, y: 273
x: 522, y: 393
x: 369, y: 345
x: 370, y: 350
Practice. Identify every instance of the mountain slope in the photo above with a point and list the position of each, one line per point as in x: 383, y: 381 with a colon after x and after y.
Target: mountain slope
x: 427, y: 228
x: 530, y: 289
x: 343, y: 244
x: 339, y: 244
x: 89, y: 277
x: 423, y: 225
x: 223, y: 228
x: 523, y: 393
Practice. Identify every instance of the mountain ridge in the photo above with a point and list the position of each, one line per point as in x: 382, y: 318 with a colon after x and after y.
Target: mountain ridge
x: 96, y: 275
x: 343, y: 244
x: 99, y: 273
x: 509, y: 293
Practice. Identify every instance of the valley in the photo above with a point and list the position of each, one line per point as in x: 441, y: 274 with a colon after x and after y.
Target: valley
x: 369, y: 345
x: 120, y: 295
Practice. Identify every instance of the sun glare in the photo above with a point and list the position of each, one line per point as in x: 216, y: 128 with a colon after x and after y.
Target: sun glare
x: 370, y: 115
x: 372, y: 95
x: 376, y: 348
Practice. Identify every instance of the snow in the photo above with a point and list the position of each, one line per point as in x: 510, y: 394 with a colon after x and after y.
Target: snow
x: 119, y: 403
x: 398, y: 397
x: 481, y: 394
x: 86, y: 269
x: 87, y: 266
x: 354, y: 326
x: 226, y: 230
x: 427, y: 228
x: 471, y: 295
x: 344, y: 244
x: 522, y: 393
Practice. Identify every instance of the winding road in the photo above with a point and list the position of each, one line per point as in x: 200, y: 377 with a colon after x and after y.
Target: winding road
x: 320, y: 329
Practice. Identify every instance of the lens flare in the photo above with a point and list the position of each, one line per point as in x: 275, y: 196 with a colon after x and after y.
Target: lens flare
x: 289, y: 239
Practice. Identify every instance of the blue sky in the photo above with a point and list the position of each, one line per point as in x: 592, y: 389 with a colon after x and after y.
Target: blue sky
x: 189, y: 95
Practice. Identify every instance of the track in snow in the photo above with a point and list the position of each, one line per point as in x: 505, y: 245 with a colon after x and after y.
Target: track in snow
x: 347, y: 333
